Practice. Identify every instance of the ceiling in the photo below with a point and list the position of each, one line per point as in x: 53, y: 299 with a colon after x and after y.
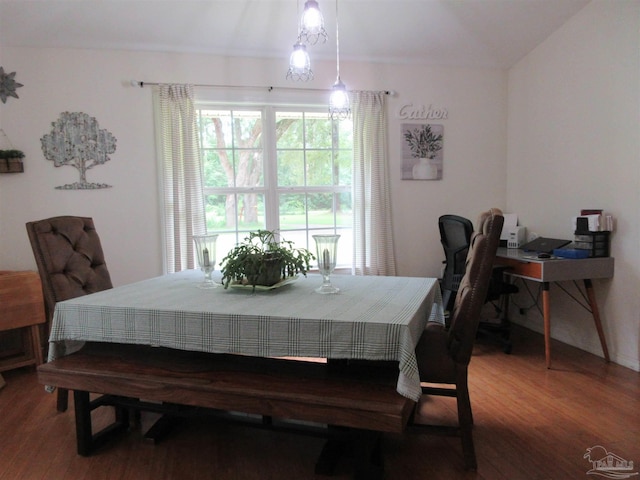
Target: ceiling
x: 473, y: 33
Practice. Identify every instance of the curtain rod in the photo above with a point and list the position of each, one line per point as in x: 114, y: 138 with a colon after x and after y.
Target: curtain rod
x: 137, y: 83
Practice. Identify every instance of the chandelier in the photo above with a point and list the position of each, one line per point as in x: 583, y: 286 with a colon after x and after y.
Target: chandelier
x: 310, y: 31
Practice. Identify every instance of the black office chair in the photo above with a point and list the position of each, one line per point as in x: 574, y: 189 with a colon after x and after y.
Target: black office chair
x: 455, y: 236
x: 498, y: 297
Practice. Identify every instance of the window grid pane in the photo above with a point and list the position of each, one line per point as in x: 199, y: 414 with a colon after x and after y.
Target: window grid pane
x: 312, y: 158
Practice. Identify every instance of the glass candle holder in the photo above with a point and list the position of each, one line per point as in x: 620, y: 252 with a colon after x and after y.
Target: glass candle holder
x: 327, y: 253
x: 206, y: 252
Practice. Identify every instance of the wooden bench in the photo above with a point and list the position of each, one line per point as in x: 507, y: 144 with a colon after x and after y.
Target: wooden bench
x: 361, y: 397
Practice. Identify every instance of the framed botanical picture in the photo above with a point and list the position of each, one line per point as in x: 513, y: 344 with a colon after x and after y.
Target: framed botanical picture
x: 422, y: 146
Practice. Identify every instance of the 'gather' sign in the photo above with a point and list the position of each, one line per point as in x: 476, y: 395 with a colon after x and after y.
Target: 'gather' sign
x: 422, y: 112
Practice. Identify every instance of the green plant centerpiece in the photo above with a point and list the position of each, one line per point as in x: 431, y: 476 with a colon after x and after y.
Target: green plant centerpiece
x: 262, y: 259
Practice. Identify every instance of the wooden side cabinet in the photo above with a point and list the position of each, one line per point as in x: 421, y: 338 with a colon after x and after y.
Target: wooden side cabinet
x: 22, y: 306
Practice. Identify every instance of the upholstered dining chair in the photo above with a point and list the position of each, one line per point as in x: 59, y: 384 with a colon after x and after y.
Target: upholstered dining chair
x: 443, y: 354
x: 70, y: 262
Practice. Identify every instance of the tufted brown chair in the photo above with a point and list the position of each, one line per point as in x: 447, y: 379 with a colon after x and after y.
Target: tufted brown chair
x: 71, y: 264
x: 444, y: 354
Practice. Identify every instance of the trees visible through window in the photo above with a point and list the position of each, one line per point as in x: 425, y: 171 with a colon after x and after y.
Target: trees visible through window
x: 280, y: 169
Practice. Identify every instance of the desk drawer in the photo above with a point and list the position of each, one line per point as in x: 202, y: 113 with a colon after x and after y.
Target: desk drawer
x: 526, y: 269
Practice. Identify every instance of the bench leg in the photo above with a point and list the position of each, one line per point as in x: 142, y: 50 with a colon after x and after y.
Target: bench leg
x: 84, y: 435
x: 85, y: 439
x: 62, y: 400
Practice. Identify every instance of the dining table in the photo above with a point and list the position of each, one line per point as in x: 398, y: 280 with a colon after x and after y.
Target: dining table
x: 370, y: 318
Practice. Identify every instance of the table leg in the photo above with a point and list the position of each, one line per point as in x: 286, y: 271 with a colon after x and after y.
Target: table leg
x: 332, y: 451
x: 364, y: 445
x: 588, y: 285
x: 35, y: 342
x: 546, y: 313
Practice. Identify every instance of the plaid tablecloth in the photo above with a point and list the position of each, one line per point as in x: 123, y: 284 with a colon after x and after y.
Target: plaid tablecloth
x: 371, y: 318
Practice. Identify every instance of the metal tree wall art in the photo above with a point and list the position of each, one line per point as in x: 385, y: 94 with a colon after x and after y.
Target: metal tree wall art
x: 77, y: 140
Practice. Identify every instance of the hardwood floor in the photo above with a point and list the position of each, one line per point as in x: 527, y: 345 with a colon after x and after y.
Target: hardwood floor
x: 530, y: 423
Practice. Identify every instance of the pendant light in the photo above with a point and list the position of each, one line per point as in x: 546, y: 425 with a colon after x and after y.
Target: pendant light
x: 339, y: 107
x: 299, y: 62
x: 312, y: 24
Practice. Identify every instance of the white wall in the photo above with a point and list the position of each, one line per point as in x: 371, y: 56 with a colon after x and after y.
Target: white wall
x: 1, y: 111
x: 127, y: 215
x: 570, y: 108
x: 573, y: 142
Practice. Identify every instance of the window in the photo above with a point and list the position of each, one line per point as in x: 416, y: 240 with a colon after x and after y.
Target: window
x: 280, y: 169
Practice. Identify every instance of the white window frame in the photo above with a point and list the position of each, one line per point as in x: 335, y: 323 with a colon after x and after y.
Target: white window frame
x: 270, y: 188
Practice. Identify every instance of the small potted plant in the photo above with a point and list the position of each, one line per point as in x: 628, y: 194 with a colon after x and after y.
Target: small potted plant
x: 261, y: 259
x: 11, y: 161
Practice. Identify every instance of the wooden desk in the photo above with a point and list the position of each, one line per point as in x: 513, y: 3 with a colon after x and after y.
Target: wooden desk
x: 526, y: 265
x: 22, y: 306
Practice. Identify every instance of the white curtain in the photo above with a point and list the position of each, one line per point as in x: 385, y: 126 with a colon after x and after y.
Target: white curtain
x: 181, y: 173
x: 373, y: 242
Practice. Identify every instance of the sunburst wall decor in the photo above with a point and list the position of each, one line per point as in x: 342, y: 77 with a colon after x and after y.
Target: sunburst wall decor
x: 8, y: 85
